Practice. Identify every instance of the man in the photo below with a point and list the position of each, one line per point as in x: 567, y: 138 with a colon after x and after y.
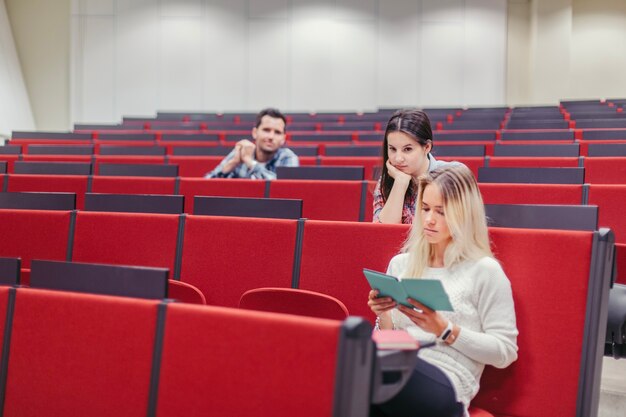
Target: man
x: 259, y: 159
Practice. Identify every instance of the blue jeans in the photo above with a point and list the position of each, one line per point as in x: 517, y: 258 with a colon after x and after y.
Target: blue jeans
x: 427, y: 393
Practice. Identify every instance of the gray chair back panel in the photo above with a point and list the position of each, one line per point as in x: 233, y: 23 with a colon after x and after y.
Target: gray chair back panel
x: 353, y: 150
x: 10, y: 271
x: 132, y: 150
x: 320, y: 173
x: 57, y: 168
x: 537, y: 216
x: 138, y: 170
x: 38, y: 201
x: 192, y: 137
x: 10, y: 150
x: 532, y: 175
x: 135, y: 203
x: 202, y: 150
x: 538, y: 135
x: 606, y: 149
x: 60, y: 149
x: 127, y: 281
x: 276, y: 208
x: 51, y: 135
x: 458, y: 150
x: 569, y: 149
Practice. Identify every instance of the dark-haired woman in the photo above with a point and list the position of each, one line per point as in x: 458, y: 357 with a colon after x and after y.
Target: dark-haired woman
x: 406, y: 155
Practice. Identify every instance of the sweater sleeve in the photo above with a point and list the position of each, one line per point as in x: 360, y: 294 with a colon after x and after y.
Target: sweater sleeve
x: 496, y: 345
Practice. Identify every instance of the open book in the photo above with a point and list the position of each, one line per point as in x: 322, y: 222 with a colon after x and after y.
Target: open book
x: 429, y: 292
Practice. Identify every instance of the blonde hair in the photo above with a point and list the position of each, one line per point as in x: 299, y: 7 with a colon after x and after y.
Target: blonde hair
x: 464, y: 212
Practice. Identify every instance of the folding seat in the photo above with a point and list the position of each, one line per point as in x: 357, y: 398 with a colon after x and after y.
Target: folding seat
x: 76, y: 184
x: 99, y: 348
x: 299, y: 365
x: 335, y: 253
x: 324, y: 199
x: 126, y: 239
x: 294, y: 301
x: 222, y: 256
x: 191, y: 187
x: 184, y: 292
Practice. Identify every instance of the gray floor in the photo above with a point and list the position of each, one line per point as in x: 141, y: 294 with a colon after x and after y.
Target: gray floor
x: 613, y: 388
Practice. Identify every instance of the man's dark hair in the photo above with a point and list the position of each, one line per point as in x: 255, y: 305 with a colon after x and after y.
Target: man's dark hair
x: 271, y: 112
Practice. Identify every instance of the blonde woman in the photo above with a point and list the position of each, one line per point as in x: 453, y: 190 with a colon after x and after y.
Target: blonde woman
x: 449, y: 242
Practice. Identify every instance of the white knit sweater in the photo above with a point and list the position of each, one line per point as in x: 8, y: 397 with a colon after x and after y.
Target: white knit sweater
x: 481, y: 296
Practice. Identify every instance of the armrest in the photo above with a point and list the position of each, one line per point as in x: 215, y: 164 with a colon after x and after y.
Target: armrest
x: 615, y: 344
x: 392, y: 369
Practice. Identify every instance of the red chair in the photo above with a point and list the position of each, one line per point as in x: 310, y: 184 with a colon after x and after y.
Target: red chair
x: 184, y: 292
x: 294, y: 301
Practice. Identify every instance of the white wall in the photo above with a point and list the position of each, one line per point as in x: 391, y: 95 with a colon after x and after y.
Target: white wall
x: 41, y: 33
x: 565, y: 49
x: 135, y: 57
x: 15, y: 112
x: 598, y: 49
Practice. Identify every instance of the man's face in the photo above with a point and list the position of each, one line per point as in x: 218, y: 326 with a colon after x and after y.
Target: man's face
x: 270, y: 135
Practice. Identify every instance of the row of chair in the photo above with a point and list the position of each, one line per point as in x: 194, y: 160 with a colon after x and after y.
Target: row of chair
x: 322, y: 200
x: 587, y: 148
x: 597, y: 170
x: 226, y: 135
x: 131, y: 357
x: 212, y: 253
